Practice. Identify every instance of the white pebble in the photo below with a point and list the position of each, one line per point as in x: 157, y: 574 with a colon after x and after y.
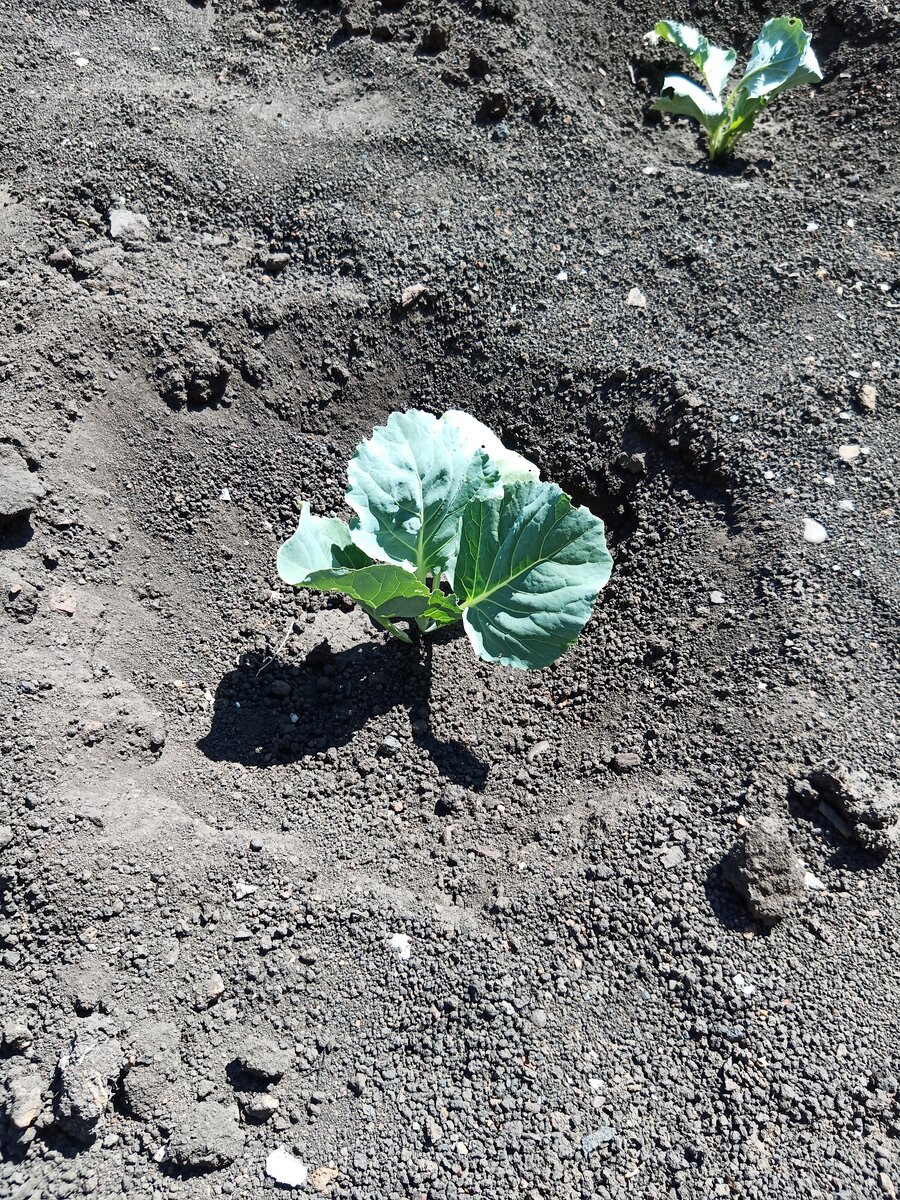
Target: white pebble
x: 224, y: 494
x: 814, y: 532
x: 399, y: 944
x: 285, y: 1169
x: 745, y: 988
x: 812, y: 883
x: 846, y: 506
x: 81, y: 62
x: 849, y: 452
x: 716, y: 598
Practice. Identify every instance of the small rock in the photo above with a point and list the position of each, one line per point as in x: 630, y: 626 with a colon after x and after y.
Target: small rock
x: 717, y: 597
x: 21, y: 1096
x: 263, y: 1059
x: 636, y: 298
x: 17, y: 1037
x: 399, y: 945
x: 764, y: 869
x: 673, y: 857
x: 625, y: 762
x: 868, y: 811
x: 433, y: 1131
x: 409, y: 295
x: 20, y: 489
x: 211, y: 990
x: 62, y: 259
x: 814, y: 532
x: 539, y: 1018
x: 868, y: 397
x: 322, y: 1178
x: 280, y: 689
x: 536, y: 750
x: 63, y: 600
x: 205, y: 1137
x: 6, y: 836
x: 390, y: 746
x: 258, y: 1107
x: 285, y: 1169
x: 131, y: 228
x: 598, y: 1137
x: 849, y: 453
x: 87, y: 1071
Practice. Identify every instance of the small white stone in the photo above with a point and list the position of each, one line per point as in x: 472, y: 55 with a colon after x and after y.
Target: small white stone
x: 745, y: 988
x: 846, y: 506
x: 812, y: 883
x: 399, y: 944
x: 563, y: 276
x: 814, y: 532
x: 81, y: 62
x: 849, y: 452
x: 768, y: 474
x: 285, y: 1169
x: 636, y: 298
x: 225, y: 494
x: 716, y: 598
x: 812, y: 226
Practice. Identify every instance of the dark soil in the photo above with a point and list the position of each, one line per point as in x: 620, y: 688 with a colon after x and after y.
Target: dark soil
x: 209, y: 843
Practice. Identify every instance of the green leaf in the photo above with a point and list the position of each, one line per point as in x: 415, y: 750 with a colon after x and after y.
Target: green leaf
x: 408, y: 485
x: 387, y: 592
x: 528, y: 572
x: 714, y: 63
x: 513, y: 467
x: 320, y: 555
x: 442, y: 610
x: 782, y: 58
x: 688, y: 99
x: 319, y: 544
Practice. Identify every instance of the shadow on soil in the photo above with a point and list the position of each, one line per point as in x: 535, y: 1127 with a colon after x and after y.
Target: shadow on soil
x: 285, y: 713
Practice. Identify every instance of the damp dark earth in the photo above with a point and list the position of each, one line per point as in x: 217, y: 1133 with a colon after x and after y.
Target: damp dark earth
x: 290, y: 906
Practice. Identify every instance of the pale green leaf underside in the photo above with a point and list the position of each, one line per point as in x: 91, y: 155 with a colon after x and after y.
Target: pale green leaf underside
x: 689, y: 99
x: 408, y: 485
x: 474, y: 435
x: 714, y: 62
x: 782, y: 58
x: 528, y: 572
x: 318, y: 544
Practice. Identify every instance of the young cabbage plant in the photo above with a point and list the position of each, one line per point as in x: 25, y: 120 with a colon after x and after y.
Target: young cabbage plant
x: 451, y: 525
x: 782, y: 57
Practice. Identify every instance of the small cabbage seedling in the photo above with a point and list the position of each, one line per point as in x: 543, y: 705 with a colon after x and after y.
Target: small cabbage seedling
x: 782, y: 57
x: 450, y: 525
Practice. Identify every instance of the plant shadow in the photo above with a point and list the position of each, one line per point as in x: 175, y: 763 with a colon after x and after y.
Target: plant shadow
x: 268, y: 711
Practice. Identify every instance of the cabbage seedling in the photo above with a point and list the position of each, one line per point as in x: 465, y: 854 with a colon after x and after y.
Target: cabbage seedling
x: 782, y: 57
x: 451, y: 525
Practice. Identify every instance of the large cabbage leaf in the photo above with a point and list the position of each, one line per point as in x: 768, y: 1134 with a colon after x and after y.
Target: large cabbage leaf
x: 529, y: 568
